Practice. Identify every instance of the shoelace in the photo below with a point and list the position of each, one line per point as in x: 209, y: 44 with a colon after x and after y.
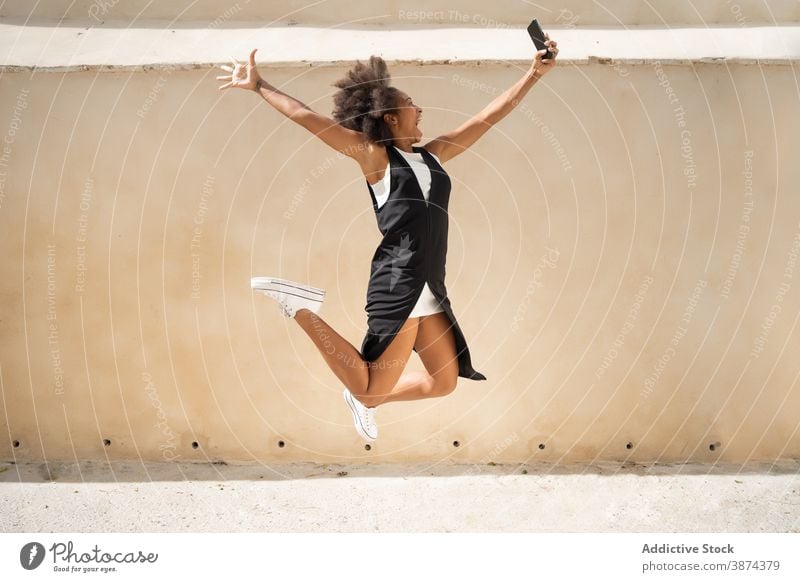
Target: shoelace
x: 371, y: 417
x: 367, y: 417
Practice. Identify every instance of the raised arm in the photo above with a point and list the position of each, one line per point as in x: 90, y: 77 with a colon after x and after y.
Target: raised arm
x: 451, y: 144
x: 346, y: 141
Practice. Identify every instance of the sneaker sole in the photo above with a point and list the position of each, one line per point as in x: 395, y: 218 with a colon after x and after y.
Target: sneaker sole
x: 348, y: 397
x: 265, y: 284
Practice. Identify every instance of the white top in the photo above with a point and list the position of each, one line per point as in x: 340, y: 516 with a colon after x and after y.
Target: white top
x: 421, y: 171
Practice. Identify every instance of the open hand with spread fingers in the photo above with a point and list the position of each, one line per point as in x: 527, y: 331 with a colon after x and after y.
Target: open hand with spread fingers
x: 241, y: 76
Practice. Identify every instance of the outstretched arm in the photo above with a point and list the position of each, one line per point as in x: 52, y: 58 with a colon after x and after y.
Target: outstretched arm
x: 451, y: 144
x: 346, y: 141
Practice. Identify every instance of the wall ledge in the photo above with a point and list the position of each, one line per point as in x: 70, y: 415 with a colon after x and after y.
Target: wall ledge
x: 73, y: 49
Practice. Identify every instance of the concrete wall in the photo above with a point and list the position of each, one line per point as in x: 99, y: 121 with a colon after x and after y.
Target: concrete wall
x: 622, y: 258
x: 409, y: 12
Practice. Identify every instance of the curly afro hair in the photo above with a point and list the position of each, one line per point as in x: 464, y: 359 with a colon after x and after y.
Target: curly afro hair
x: 364, y: 97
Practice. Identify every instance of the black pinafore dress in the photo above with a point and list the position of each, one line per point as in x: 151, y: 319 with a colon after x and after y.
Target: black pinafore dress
x: 413, y: 250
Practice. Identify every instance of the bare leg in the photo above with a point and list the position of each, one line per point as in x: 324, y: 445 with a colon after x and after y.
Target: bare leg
x: 341, y: 356
x: 436, y: 348
x: 411, y: 386
x: 374, y: 383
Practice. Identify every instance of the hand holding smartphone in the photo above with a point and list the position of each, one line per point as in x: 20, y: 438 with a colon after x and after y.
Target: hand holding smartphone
x: 538, y: 38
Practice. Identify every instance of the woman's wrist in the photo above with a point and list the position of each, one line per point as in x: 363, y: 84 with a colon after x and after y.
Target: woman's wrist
x: 259, y: 83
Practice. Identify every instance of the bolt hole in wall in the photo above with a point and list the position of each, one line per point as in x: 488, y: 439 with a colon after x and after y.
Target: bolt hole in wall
x: 281, y: 444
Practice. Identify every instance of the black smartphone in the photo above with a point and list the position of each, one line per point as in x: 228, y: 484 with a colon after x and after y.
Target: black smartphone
x: 538, y: 38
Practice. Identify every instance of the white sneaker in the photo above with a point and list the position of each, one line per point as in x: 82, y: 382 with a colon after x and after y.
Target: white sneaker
x: 363, y: 417
x: 290, y: 295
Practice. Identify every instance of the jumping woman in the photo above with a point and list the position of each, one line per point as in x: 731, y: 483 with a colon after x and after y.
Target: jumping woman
x: 407, y: 306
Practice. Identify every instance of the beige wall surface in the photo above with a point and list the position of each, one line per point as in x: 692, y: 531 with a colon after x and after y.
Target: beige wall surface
x: 475, y: 13
x: 623, y: 259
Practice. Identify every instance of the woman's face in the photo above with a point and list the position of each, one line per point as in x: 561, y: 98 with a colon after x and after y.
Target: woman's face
x: 405, y: 121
